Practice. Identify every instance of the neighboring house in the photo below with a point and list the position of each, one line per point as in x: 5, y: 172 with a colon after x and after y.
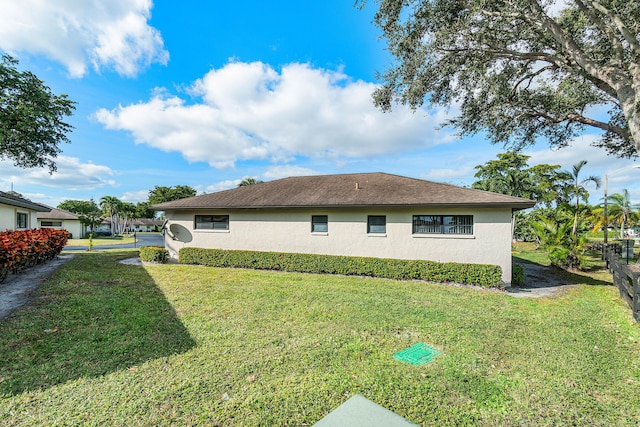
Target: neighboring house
x: 62, y: 220
x: 17, y: 213
x: 145, y: 224
x: 139, y: 225
x: 104, y: 226
x: 369, y: 215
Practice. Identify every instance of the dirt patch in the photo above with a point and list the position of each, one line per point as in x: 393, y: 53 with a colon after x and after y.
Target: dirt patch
x: 16, y: 289
x: 540, y: 281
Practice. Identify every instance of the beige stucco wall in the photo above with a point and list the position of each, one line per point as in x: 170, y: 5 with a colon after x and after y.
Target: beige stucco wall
x: 8, y: 217
x: 290, y: 231
x: 72, y: 226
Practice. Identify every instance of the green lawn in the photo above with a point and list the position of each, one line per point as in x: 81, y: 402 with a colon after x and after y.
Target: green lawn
x: 117, y: 240
x: 111, y: 344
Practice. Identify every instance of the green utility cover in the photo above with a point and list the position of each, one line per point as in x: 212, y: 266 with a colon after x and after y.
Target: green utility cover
x: 418, y: 354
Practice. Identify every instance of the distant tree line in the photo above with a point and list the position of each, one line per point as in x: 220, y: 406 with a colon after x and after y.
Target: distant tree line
x: 120, y: 213
x: 562, y: 220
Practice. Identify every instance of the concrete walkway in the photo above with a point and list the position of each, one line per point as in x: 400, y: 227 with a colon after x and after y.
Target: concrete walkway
x: 540, y: 281
x: 16, y: 289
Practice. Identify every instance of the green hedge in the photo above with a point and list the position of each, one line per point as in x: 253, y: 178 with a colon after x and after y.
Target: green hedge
x: 470, y: 274
x: 154, y: 254
x: 517, y: 275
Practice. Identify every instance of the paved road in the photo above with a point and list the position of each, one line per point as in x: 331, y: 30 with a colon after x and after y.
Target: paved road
x: 143, y: 240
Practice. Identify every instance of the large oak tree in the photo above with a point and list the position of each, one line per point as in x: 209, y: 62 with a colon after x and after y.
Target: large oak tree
x: 32, y: 122
x: 519, y: 69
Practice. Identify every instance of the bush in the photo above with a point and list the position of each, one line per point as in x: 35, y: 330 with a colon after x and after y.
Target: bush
x: 154, y: 254
x: 470, y: 274
x: 517, y: 275
x: 26, y: 248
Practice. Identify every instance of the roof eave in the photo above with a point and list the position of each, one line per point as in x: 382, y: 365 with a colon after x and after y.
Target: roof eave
x: 513, y: 206
x: 25, y: 205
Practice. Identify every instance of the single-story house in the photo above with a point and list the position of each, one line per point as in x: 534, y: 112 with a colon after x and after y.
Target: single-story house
x: 369, y: 215
x: 145, y: 224
x: 62, y: 220
x: 17, y: 213
x: 138, y: 225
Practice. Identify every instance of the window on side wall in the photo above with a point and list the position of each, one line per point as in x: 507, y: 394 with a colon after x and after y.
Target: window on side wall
x: 443, y: 224
x: 376, y: 224
x: 21, y: 220
x: 212, y: 222
x: 51, y: 223
x: 319, y: 223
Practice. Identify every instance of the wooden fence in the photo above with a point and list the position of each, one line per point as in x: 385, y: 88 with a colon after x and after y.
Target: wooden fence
x: 625, y: 276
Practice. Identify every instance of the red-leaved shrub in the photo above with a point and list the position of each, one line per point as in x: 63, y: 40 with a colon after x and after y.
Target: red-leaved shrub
x: 26, y: 248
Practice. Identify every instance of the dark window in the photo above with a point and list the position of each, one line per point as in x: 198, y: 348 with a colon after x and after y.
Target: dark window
x: 51, y: 223
x: 21, y: 220
x: 443, y: 224
x: 376, y: 224
x: 212, y: 222
x: 319, y: 223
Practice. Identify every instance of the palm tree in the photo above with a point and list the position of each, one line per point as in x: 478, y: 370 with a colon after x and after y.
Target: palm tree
x: 110, y: 206
x: 579, y: 191
x: 621, y: 209
x: 563, y: 249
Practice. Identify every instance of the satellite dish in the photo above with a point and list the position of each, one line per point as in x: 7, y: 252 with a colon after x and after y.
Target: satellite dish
x: 180, y: 233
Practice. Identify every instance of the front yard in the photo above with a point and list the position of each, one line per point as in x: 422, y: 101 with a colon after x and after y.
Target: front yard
x: 106, y: 343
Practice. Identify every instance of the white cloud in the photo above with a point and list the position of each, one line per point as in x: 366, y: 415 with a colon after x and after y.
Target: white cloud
x: 285, y: 171
x: 620, y: 172
x: 222, y: 185
x: 77, y: 33
x: 462, y: 172
x: 135, y: 196
x: 249, y: 111
x: 72, y: 174
x: 270, y: 174
x: 580, y: 148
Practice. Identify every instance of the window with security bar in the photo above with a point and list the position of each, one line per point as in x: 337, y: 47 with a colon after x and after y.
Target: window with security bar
x: 443, y: 224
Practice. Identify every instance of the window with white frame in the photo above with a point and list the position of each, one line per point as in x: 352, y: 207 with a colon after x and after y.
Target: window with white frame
x: 376, y: 224
x: 319, y: 223
x: 443, y: 224
x: 212, y: 222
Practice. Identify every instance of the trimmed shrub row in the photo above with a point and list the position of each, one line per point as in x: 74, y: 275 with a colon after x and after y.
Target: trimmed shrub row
x: 154, y: 254
x: 470, y: 274
x: 26, y: 248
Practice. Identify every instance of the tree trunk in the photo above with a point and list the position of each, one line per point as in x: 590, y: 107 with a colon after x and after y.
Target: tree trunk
x: 575, y: 218
x: 630, y: 105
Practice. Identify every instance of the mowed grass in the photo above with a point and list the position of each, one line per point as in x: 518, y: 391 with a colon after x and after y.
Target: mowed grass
x: 118, y: 240
x: 110, y: 344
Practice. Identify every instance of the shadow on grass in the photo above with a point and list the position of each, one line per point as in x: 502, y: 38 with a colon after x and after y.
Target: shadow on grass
x: 94, y: 316
x: 555, y: 276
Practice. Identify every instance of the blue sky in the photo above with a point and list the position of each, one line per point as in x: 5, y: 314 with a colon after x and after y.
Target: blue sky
x: 207, y: 93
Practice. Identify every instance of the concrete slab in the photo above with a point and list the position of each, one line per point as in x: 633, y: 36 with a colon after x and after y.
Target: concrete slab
x: 361, y: 412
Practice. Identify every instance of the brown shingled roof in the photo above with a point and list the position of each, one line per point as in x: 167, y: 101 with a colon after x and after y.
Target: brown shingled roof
x: 57, y: 214
x: 347, y: 190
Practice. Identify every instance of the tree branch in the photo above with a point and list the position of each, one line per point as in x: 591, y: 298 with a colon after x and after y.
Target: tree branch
x: 626, y: 33
x: 606, y: 29
x: 612, y: 77
x: 576, y: 118
x: 530, y: 77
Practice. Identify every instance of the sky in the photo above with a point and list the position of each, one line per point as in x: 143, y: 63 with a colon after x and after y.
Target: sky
x: 207, y: 93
